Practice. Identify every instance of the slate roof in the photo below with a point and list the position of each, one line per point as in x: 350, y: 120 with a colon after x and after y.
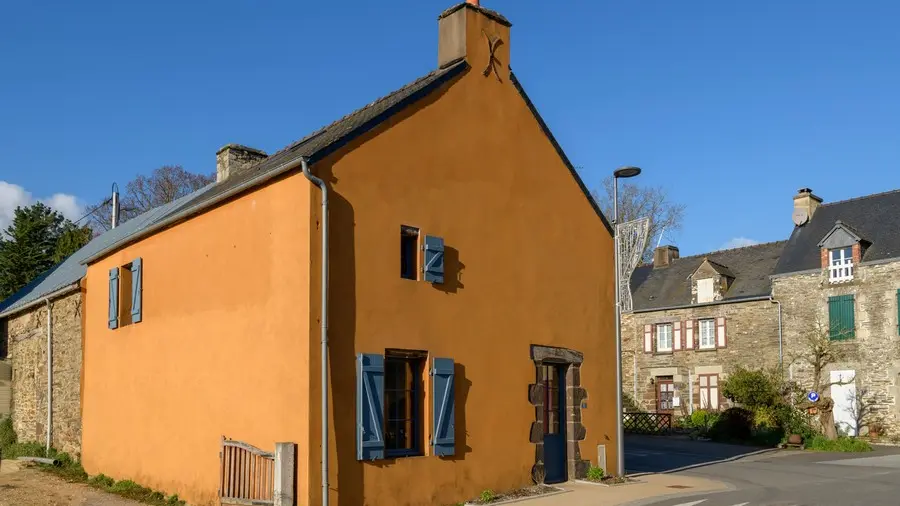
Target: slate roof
x: 71, y: 270
x: 670, y: 286
x: 313, y: 147
x: 875, y: 218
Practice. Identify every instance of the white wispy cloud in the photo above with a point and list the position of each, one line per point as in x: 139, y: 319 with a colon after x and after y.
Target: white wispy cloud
x: 739, y: 242
x: 13, y: 196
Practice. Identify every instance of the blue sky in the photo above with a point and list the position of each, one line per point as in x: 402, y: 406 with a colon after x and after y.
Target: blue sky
x: 732, y: 106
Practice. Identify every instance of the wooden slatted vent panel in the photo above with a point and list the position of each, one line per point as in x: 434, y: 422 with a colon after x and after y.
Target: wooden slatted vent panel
x: 246, y: 475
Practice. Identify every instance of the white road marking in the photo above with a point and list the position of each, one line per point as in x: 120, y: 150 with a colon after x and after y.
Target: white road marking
x: 691, y: 503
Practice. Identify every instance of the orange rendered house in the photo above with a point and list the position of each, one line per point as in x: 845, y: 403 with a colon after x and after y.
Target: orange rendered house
x: 470, y: 314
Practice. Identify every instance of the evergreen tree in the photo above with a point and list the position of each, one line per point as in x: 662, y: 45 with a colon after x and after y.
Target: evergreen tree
x: 37, y: 239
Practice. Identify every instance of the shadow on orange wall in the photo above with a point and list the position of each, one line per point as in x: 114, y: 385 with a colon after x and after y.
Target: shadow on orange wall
x: 342, y: 328
x: 453, y: 270
x: 461, y: 385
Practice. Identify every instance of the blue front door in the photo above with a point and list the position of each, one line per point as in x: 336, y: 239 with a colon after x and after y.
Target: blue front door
x: 554, y: 378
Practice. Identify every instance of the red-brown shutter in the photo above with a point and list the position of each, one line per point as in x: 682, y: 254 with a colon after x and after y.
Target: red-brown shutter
x: 721, y: 337
x: 689, y: 335
x: 648, y: 338
x: 676, y: 336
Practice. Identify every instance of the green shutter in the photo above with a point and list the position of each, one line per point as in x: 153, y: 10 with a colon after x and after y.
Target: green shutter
x: 841, y: 317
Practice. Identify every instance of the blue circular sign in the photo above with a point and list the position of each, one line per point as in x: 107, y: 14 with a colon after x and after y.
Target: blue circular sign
x: 812, y: 396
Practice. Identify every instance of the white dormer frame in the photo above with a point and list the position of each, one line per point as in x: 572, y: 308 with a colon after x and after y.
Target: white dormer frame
x: 838, y: 244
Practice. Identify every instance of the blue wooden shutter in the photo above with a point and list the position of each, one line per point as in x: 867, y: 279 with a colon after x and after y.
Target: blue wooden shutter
x: 444, y: 408
x: 434, y: 259
x: 114, y: 298
x: 369, y: 407
x: 136, y: 271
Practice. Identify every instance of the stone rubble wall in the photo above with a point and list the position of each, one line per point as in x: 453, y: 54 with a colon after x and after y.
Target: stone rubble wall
x: 27, y: 336
x: 875, y: 351
x: 752, y: 343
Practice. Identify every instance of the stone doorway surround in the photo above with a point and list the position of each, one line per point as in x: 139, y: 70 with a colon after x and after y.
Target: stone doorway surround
x: 575, y: 394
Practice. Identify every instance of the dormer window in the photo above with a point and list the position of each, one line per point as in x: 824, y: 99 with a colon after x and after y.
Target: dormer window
x: 840, y: 267
x: 705, y: 290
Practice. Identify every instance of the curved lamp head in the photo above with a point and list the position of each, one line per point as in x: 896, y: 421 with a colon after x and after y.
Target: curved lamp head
x: 625, y: 172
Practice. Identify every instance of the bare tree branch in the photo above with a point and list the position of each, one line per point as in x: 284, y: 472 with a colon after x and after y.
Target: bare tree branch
x: 642, y: 202
x: 143, y: 193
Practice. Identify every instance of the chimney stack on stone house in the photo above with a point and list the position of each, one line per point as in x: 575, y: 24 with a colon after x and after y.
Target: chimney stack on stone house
x: 482, y: 38
x: 664, y: 255
x: 233, y: 158
x: 805, y: 205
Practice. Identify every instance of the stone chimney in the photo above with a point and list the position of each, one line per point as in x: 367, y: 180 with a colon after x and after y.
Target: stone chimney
x: 233, y: 158
x: 805, y: 205
x: 664, y: 255
x: 481, y: 36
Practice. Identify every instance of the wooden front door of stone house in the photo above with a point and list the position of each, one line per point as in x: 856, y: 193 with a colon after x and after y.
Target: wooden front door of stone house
x: 665, y: 394
x: 555, y: 423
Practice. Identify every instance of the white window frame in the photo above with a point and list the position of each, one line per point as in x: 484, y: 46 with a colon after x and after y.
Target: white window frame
x: 711, y: 295
x: 660, y: 327
x: 707, y: 340
x: 840, y: 264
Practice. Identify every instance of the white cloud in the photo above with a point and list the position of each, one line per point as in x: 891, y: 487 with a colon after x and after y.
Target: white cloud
x: 13, y: 196
x: 739, y: 242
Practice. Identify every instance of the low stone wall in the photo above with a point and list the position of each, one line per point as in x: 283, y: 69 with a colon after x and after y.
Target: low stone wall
x: 27, y: 337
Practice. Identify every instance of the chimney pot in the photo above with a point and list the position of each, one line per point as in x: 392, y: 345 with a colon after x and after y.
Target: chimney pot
x: 474, y: 2
x: 664, y: 255
x: 234, y: 158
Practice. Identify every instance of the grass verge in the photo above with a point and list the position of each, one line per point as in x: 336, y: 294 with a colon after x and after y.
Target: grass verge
x: 841, y: 444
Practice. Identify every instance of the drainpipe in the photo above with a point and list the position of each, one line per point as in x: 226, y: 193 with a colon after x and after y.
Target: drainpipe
x: 49, y: 373
x: 321, y: 184
x: 780, y: 338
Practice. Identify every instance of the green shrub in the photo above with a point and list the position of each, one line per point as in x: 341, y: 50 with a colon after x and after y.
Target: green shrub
x: 595, y: 473
x: 102, y: 481
x: 704, y: 419
x: 17, y: 450
x: 7, y: 434
x: 734, y: 424
x: 795, y: 421
x: 487, y: 496
x: 752, y: 388
x: 629, y: 405
x: 841, y: 444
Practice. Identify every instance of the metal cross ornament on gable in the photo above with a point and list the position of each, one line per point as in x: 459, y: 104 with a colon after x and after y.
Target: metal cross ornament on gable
x: 493, y: 42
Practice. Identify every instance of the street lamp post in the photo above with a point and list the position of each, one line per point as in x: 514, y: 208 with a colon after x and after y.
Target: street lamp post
x: 623, y: 172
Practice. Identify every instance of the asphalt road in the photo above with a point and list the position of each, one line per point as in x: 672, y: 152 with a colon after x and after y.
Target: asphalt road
x: 783, y: 478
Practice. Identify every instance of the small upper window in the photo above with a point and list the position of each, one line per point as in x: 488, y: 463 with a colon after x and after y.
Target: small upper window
x: 707, y: 334
x: 409, y: 249
x: 664, y: 337
x: 840, y: 265
x: 705, y: 290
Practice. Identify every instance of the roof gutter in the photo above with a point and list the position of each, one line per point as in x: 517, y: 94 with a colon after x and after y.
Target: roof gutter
x: 262, y: 178
x: 717, y: 303
x: 43, y: 299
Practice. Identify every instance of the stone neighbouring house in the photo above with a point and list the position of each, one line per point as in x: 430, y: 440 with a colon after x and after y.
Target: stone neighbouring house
x: 840, y: 274
x: 693, y: 320
x: 26, y: 336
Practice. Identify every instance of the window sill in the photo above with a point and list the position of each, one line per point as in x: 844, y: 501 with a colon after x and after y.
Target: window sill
x: 402, y: 454
x: 713, y: 348
x: 663, y: 352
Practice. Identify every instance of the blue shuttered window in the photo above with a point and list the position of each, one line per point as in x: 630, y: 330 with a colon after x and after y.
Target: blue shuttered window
x: 841, y: 318
x: 444, y: 408
x: 114, y: 298
x: 434, y: 259
x: 136, y: 287
x: 369, y: 406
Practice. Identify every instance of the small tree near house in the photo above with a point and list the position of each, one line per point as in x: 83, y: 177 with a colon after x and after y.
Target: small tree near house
x: 818, y: 350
